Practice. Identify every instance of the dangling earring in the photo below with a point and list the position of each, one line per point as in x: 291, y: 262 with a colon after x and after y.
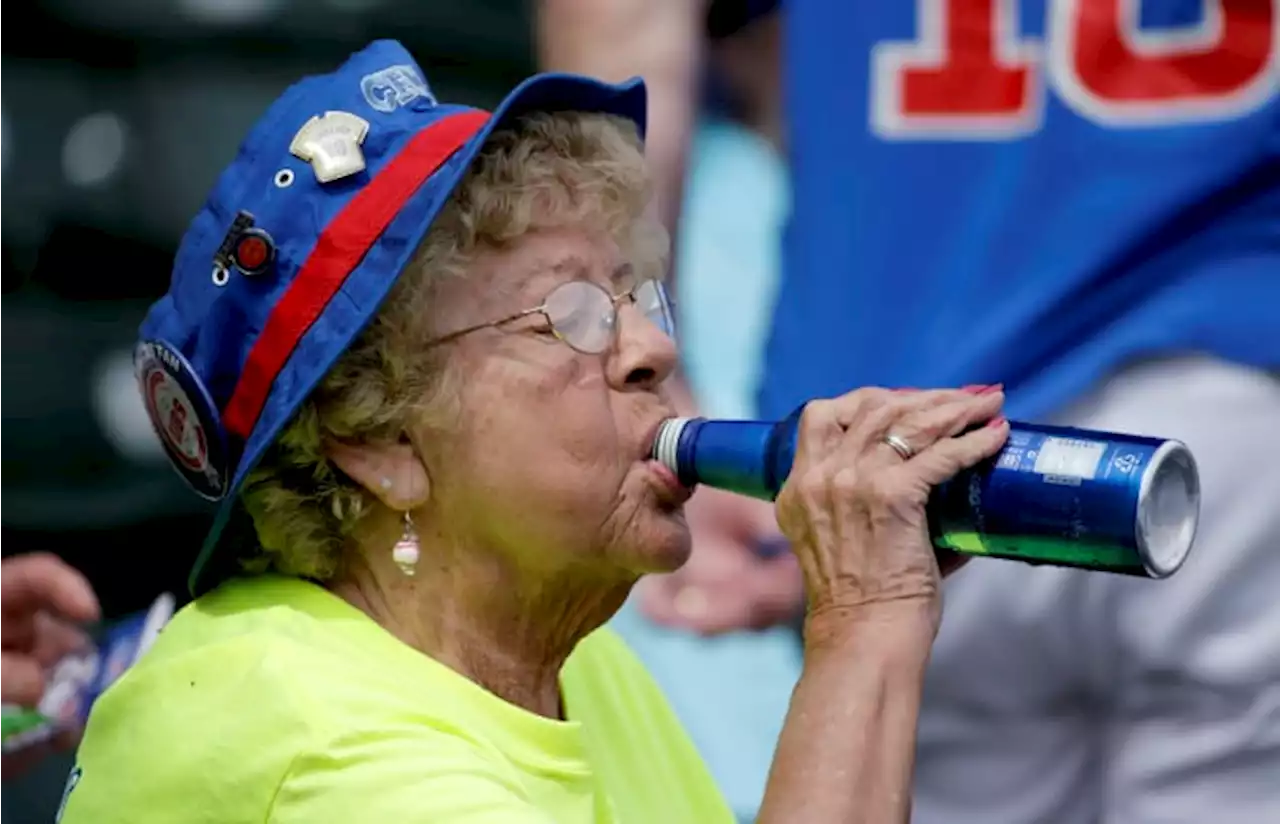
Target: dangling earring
x: 405, y: 553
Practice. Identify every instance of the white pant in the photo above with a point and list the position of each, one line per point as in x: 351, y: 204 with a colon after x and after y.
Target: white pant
x: 1069, y: 697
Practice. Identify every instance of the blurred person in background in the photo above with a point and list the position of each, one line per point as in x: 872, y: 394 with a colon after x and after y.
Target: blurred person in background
x: 43, y: 602
x: 419, y: 354
x: 730, y: 691
x: 1079, y: 198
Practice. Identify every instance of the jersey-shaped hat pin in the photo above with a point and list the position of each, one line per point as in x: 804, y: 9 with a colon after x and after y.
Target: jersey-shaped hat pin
x: 331, y: 144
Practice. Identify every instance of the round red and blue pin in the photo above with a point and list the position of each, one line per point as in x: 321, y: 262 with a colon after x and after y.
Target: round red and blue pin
x: 184, y: 417
x: 254, y: 251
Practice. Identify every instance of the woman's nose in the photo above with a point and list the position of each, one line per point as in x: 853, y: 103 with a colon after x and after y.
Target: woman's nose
x: 645, y: 355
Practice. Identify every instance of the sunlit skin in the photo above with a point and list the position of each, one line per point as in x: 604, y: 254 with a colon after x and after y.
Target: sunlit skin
x: 572, y: 490
x: 539, y: 509
x: 527, y: 547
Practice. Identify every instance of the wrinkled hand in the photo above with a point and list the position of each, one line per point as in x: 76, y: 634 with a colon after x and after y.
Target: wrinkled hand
x: 854, y: 509
x: 41, y: 600
x: 726, y: 585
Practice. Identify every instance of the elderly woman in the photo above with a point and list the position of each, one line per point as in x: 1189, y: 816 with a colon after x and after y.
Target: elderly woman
x: 422, y: 352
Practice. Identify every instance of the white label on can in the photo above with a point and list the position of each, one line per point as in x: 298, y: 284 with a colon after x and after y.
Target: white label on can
x: 1070, y: 458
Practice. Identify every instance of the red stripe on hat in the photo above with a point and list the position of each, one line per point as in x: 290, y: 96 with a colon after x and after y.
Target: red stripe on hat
x: 338, y: 251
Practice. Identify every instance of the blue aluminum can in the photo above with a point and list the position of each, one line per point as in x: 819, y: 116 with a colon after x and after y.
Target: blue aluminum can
x: 1054, y: 495
x: 78, y: 679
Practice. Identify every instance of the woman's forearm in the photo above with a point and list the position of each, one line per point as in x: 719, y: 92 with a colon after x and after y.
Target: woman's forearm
x: 847, y: 748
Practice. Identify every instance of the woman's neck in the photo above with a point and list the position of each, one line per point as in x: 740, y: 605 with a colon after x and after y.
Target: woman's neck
x: 508, y: 630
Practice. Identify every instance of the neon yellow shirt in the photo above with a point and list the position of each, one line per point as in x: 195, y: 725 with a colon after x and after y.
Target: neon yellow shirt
x: 272, y: 700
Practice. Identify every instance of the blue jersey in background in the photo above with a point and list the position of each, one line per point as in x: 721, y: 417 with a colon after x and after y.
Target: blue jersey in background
x: 1033, y: 193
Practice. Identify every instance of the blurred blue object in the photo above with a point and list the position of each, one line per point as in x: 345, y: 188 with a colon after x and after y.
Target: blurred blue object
x: 731, y: 692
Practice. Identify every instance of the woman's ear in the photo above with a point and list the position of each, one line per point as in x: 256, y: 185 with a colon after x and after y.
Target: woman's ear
x: 392, y: 472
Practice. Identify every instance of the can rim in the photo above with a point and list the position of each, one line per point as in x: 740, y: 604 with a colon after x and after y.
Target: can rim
x: 1156, y: 566
x: 666, y: 444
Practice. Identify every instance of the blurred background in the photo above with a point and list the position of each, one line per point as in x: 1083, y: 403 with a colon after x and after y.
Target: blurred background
x: 117, y: 115
x: 116, y: 118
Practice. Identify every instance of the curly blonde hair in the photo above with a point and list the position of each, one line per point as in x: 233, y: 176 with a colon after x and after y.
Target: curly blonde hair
x: 547, y: 171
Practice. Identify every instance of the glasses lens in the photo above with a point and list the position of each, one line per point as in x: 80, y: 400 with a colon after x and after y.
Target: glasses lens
x: 582, y: 315
x: 651, y: 298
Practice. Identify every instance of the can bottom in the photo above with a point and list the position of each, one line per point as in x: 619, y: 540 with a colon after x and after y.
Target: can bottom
x: 1168, y: 509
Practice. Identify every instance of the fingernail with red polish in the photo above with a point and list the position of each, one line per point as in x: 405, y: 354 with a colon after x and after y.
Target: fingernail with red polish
x: 997, y: 421
x: 992, y: 389
x: 974, y: 388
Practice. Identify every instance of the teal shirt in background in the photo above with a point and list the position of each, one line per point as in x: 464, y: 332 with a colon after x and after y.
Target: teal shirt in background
x: 730, y: 692
x: 728, y: 264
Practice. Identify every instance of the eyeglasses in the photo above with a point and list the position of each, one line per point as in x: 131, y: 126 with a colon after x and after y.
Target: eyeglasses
x: 585, y: 316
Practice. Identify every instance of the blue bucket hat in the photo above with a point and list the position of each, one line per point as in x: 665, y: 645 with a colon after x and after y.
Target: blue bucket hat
x: 297, y: 246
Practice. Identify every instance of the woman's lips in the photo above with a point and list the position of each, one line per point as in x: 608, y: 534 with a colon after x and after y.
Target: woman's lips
x: 673, y: 491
